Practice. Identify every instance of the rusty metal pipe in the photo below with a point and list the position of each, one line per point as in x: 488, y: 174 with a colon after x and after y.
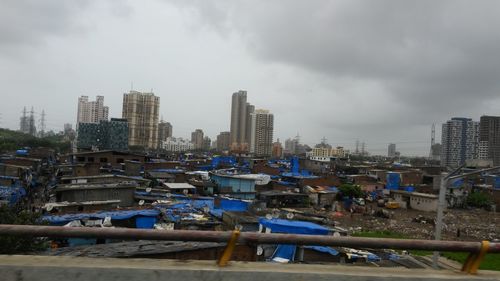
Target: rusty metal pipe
x: 244, y: 238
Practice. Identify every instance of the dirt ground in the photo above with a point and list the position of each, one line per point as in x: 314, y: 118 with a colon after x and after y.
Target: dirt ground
x: 459, y: 224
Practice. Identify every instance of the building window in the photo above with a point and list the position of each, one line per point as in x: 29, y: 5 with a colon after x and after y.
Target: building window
x: 90, y: 159
x: 80, y: 159
x: 103, y: 160
x: 119, y: 160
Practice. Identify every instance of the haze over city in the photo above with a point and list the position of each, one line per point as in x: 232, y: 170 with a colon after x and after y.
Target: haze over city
x: 379, y: 72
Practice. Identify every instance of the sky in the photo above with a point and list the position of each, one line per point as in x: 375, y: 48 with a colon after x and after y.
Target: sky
x: 375, y: 71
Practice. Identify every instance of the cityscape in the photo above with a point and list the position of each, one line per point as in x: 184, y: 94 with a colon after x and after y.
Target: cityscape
x: 322, y: 140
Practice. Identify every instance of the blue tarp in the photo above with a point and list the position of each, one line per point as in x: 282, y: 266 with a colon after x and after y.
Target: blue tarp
x: 170, y: 171
x: 457, y: 183
x: 294, y: 227
x: 393, y: 181
x: 233, y: 205
x: 115, y: 215
x: 223, y: 160
x: 22, y: 152
x: 217, y: 213
x: 496, y: 182
x: 409, y: 188
x: 284, y: 253
x: 145, y: 222
x: 12, y: 194
x: 323, y: 249
x: 333, y: 189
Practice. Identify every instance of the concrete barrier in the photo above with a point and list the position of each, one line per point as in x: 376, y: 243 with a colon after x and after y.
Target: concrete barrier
x: 43, y: 268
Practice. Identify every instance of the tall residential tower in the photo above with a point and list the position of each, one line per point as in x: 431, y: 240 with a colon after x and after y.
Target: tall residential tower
x: 91, y: 111
x: 261, y: 137
x: 460, y: 141
x: 489, y: 138
x: 141, y: 111
x: 240, y: 121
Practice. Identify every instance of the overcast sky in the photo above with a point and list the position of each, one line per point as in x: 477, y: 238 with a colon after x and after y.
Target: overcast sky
x: 377, y: 71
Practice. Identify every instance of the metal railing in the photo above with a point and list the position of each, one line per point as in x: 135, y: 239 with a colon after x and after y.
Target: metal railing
x: 476, y: 249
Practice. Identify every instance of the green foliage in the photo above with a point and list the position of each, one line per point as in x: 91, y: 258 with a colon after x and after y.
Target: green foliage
x: 17, y: 245
x: 491, y: 261
x: 379, y: 234
x: 12, y: 140
x: 350, y: 190
x: 479, y: 199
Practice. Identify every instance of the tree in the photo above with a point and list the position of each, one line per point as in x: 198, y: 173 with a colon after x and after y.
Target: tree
x: 17, y: 245
x: 350, y: 190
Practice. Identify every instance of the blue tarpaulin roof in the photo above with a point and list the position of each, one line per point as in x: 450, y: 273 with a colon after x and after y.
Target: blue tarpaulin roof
x: 323, y: 249
x: 12, y: 194
x: 284, y: 253
x: 115, y: 215
x: 233, y: 205
x: 295, y: 227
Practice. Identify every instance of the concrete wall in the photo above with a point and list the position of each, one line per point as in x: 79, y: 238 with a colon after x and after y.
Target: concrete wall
x: 27, y: 268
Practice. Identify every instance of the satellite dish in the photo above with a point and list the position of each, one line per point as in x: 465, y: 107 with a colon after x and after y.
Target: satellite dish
x: 260, y: 251
x: 148, y: 190
x: 238, y: 227
x: 141, y: 202
x: 276, y: 213
x: 336, y: 234
x: 168, y: 195
x: 185, y: 191
x: 290, y: 216
x: 206, y: 209
x: 49, y: 207
x: 297, y: 190
x: 269, y: 216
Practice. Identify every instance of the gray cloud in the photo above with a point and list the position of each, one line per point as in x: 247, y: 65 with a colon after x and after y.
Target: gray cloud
x: 379, y: 71
x: 428, y: 54
x: 28, y: 22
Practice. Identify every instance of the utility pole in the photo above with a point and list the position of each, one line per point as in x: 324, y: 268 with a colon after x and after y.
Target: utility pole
x: 42, y: 124
x: 433, y: 140
x: 439, y: 217
x: 445, y: 178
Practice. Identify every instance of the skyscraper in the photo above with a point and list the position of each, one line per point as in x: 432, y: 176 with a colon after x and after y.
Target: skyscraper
x: 240, y: 121
x: 197, y: 139
x: 141, y: 111
x: 460, y: 141
x: 291, y: 146
x: 391, y: 150
x: 223, y: 141
x: 277, y: 150
x: 104, y: 135
x: 164, y: 132
x: 261, y: 138
x: 91, y: 111
x: 489, y: 138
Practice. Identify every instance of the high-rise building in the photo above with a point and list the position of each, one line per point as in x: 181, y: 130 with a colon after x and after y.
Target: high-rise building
x: 291, y: 146
x: 91, y: 111
x: 277, y: 150
x: 141, y: 111
x: 241, y: 112
x: 261, y: 137
x: 177, y: 145
x: 164, y: 131
x: 197, y: 139
x: 460, y: 141
x: 489, y: 138
x: 104, y: 135
x: 436, y: 152
x: 391, y: 150
x: 207, y: 143
x: 223, y: 141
